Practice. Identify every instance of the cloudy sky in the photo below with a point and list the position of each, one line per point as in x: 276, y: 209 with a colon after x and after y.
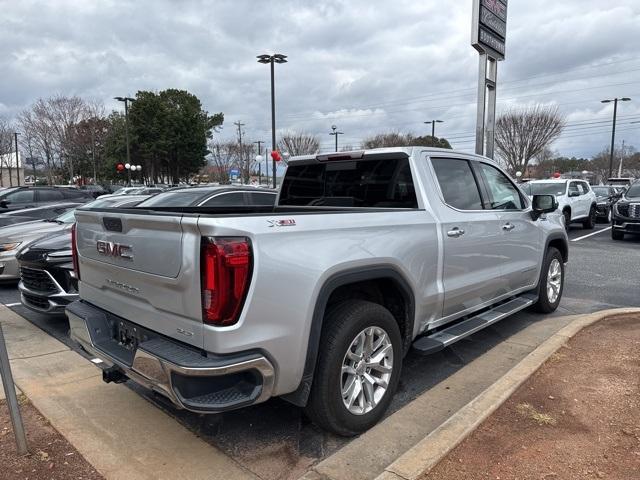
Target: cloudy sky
x: 367, y: 66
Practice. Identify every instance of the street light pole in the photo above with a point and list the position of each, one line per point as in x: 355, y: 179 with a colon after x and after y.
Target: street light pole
x: 15, y: 136
x: 272, y: 60
x: 613, y: 130
x: 336, y: 133
x: 126, y: 101
x: 433, y: 126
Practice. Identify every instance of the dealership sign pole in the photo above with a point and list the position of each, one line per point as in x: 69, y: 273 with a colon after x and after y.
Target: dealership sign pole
x: 488, y: 36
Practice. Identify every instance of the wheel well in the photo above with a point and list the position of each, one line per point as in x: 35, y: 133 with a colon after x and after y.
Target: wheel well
x: 385, y: 292
x: 562, y: 247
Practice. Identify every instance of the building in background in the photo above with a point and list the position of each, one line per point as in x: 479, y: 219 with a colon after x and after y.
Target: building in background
x: 8, y: 163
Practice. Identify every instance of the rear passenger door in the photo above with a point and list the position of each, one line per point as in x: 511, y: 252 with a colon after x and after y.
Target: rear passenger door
x: 519, y: 243
x: 472, y: 264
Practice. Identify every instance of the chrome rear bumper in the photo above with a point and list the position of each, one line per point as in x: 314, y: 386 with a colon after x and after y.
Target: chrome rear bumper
x: 191, y: 381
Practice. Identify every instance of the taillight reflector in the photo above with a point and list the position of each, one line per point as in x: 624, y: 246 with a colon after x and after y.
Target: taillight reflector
x: 226, y: 264
x: 74, y: 251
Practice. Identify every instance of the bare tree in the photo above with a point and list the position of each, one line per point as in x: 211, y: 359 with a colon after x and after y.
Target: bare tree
x: 298, y: 143
x: 522, y: 135
x: 6, y: 146
x: 391, y: 139
x: 36, y: 127
x: 223, y: 157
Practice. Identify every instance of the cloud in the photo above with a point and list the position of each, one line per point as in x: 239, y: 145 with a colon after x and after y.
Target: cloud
x: 365, y: 66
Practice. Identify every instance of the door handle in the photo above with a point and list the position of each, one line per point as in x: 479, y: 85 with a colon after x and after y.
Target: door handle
x: 455, y: 233
x: 508, y: 227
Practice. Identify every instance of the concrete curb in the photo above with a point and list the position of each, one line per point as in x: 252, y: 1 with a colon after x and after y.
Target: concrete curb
x: 427, y: 453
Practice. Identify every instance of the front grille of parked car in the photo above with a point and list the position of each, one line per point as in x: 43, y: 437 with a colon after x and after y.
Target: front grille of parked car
x: 37, y: 280
x: 35, y: 301
x: 623, y: 209
x: 634, y: 210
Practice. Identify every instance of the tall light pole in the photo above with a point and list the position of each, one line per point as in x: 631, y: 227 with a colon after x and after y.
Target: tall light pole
x: 336, y: 133
x: 126, y: 101
x: 433, y: 126
x: 15, y: 136
x: 272, y: 60
x: 613, y: 130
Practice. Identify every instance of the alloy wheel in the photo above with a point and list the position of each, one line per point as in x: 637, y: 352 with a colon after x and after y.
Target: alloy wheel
x: 554, y: 280
x: 366, y: 370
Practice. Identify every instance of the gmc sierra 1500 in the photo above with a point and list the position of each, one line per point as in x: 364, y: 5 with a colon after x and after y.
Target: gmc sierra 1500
x: 319, y: 298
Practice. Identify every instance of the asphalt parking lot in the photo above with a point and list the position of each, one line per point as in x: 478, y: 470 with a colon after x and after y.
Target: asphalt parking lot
x: 276, y: 441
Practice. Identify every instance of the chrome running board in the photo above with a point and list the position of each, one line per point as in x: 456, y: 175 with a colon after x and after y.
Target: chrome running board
x: 435, y: 342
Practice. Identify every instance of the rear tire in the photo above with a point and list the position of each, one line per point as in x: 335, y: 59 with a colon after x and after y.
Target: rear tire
x: 617, y: 235
x: 590, y: 222
x: 551, y: 282
x: 348, y: 396
x: 567, y: 220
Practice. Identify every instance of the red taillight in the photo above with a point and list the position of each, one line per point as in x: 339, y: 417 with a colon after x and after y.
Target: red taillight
x: 226, y: 270
x: 74, y: 251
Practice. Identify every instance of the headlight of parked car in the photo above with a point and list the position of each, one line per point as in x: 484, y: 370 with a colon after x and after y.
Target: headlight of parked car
x: 5, y: 247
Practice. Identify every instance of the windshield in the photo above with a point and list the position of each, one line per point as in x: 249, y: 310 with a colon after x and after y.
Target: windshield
x: 174, y: 199
x: 555, y: 188
x: 601, y: 191
x: 634, y: 190
x: 68, y: 217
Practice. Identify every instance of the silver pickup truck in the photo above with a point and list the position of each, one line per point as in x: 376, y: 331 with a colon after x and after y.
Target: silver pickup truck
x: 318, y: 299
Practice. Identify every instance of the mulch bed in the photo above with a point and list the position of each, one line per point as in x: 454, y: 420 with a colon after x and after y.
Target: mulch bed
x: 51, y: 456
x: 577, y: 418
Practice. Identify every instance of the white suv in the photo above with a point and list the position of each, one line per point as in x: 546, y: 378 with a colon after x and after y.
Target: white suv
x: 576, y: 200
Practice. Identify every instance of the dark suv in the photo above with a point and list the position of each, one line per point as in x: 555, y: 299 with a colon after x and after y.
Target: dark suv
x: 626, y: 213
x: 17, y: 198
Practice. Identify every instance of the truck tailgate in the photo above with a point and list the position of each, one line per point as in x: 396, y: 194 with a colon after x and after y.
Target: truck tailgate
x: 135, y: 266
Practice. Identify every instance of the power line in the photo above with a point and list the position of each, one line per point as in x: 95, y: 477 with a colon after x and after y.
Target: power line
x: 434, y: 96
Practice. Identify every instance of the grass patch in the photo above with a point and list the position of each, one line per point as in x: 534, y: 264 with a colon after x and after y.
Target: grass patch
x: 528, y: 411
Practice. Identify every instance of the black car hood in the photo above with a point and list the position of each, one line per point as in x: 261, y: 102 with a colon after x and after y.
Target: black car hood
x: 38, y: 251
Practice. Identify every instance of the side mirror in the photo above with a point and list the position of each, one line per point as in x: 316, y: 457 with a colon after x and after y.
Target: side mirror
x: 574, y: 194
x: 4, y: 203
x: 542, y: 204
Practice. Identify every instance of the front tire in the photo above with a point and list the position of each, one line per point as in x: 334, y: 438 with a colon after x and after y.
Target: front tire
x: 551, y: 282
x: 358, y: 368
x: 590, y: 222
x: 617, y: 234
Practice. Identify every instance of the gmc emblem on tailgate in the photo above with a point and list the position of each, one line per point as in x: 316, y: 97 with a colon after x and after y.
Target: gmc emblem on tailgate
x: 112, y: 249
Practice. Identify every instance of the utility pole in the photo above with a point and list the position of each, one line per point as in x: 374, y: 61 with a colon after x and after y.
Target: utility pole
x: 336, y: 133
x: 621, y: 158
x: 266, y: 172
x: 93, y: 152
x: 240, y: 125
x: 15, y: 136
x: 613, y: 130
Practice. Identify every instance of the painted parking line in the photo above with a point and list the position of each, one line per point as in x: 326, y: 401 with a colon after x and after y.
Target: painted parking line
x: 12, y: 304
x: 591, y: 234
